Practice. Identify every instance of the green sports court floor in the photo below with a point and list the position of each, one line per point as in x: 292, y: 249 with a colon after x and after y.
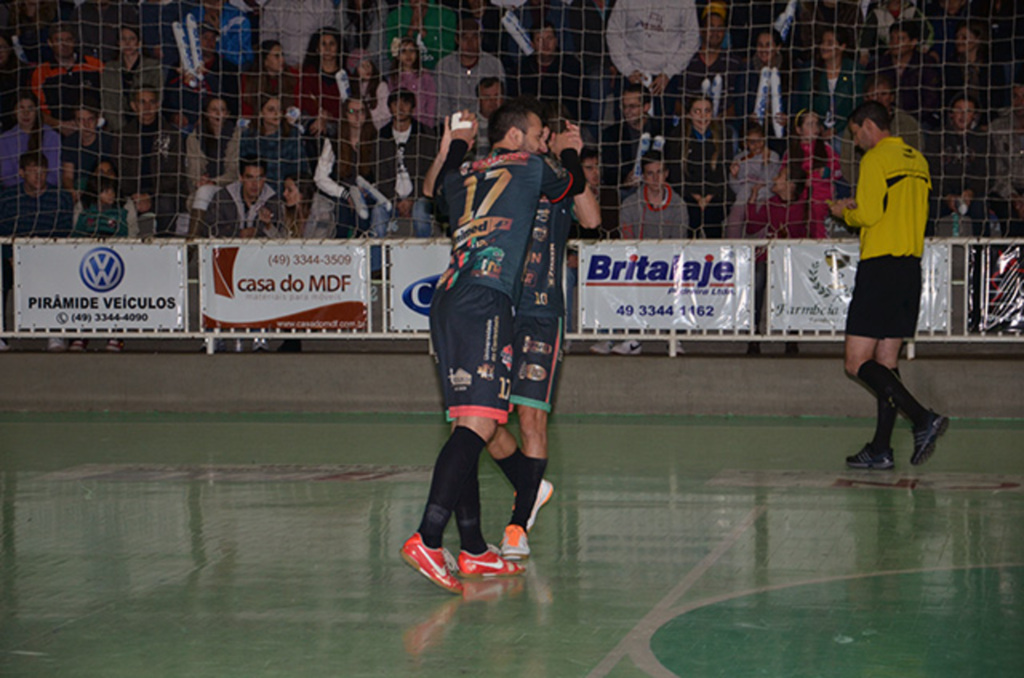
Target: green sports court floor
x: 266, y: 545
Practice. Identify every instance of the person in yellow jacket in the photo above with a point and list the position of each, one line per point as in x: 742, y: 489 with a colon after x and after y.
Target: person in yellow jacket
x: 890, y: 208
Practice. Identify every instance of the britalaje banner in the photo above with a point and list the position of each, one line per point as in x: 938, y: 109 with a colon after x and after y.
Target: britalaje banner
x: 811, y: 284
x: 271, y: 286
x: 662, y: 285
x: 90, y: 287
x: 411, y: 279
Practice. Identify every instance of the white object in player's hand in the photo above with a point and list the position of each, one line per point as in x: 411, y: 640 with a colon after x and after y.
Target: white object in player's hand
x: 459, y: 123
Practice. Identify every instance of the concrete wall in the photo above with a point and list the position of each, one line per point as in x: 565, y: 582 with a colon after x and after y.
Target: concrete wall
x: 397, y: 382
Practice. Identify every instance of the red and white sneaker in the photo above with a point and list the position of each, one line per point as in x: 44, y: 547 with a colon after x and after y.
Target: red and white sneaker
x: 487, y: 564
x: 437, y: 565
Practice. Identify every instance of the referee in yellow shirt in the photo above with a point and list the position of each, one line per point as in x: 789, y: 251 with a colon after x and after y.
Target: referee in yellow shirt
x: 890, y: 208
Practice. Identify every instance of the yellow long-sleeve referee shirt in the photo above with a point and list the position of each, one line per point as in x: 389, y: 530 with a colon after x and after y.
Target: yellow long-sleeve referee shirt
x: 892, y: 200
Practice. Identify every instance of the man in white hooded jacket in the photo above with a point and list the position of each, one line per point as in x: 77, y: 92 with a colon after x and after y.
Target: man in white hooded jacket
x: 652, y: 41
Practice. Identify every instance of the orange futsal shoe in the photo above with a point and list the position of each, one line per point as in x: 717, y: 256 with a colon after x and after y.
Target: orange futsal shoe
x: 487, y: 564
x: 437, y: 565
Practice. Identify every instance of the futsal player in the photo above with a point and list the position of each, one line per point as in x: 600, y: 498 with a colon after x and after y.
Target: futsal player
x: 491, y: 204
x: 890, y: 208
x: 537, y: 354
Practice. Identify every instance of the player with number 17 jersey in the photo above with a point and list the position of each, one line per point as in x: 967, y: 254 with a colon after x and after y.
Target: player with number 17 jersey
x: 500, y: 195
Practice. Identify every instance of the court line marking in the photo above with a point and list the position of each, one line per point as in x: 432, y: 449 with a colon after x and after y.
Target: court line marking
x: 638, y: 637
x: 646, y: 661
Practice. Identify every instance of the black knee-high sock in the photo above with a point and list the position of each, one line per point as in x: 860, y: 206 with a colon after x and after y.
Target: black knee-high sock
x: 531, y: 473
x: 467, y: 514
x: 887, y: 385
x: 885, y: 422
x: 457, y: 459
x: 510, y: 467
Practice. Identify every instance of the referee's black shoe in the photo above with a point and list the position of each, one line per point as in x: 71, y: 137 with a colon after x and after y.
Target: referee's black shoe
x: 926, y: 436
x: 870, y: 459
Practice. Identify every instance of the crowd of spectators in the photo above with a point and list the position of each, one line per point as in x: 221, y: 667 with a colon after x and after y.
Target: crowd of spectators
x: 703, y: 115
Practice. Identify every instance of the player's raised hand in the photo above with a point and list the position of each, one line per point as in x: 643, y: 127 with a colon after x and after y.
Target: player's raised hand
x: 568, y: 138
x: 573, y: 138
x: 464, y: 126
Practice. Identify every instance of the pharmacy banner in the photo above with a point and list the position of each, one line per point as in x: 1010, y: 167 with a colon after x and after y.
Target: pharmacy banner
x: 810, y: 286
x: 664, y: 285
x: 284, y: 287
x: 411, y: 278
x: 88, y: 287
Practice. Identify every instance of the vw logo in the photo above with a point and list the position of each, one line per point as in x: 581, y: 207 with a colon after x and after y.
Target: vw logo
x: 102, y: 269
x: 419, y: 294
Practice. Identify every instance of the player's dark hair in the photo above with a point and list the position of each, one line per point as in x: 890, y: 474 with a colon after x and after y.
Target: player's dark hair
x: 511, y: 114
x: 873, y: 111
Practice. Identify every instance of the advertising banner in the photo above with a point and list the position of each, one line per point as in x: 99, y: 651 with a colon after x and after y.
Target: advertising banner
x: 89, y: 287
x: 662, y: 285
x: 412, y: 276
x: 999, y: 270
x: 284, y: 287
x: 811, y: 284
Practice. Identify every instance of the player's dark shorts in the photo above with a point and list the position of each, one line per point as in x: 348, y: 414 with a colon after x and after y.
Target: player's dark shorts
x: 538, y: 356
x: 886, y: 298
x: 471, y: 327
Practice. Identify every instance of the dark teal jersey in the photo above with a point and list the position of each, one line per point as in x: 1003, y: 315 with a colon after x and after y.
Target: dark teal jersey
x: 542, y: 274
x: 491, y: 204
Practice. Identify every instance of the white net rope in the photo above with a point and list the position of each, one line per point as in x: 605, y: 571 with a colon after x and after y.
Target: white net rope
x: 147, y: 117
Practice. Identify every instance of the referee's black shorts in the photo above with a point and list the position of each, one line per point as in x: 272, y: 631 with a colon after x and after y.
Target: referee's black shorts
x: 886, y: 298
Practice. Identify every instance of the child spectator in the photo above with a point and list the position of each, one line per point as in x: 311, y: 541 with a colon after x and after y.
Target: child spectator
x: 808, y: 149
x: 783, y: 215
x: 750, y: 177
x: 655, y: 212
x: 101, y: 215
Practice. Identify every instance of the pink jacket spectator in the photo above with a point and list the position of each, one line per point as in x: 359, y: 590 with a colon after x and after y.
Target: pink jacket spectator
x: 820, y: 187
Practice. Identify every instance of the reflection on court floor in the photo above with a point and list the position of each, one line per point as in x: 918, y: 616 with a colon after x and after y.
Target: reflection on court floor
x: 202, y: 545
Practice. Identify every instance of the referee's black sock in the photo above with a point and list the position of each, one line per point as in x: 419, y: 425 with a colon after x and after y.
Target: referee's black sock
x: 467, y: 514
x: 457, y: 458
x: 885, y: 422
x: 887, y: 385
x: 531, y: 473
